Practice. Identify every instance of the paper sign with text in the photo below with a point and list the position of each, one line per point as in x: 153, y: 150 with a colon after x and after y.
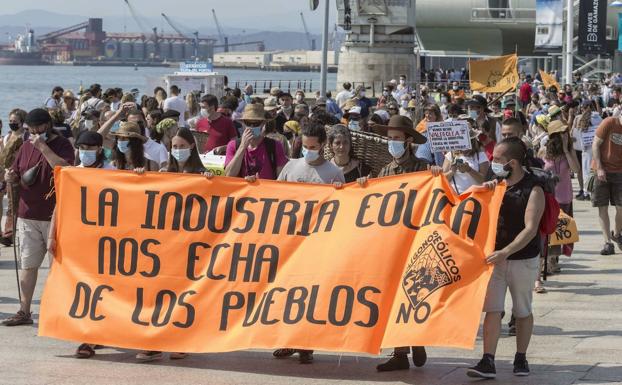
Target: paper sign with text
x: 449, y: 136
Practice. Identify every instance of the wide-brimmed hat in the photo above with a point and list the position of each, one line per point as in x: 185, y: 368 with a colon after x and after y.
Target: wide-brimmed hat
x: 349, y: 104
x: 554, y: 110
x: 480, y: 101
x: 270, y: 104
x: 254, y: 112
x: 400, y: 123
x: 129, y: 130
x: 556, y: 126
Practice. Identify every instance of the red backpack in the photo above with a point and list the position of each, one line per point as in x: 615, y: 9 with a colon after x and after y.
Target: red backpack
x: 548, y: 223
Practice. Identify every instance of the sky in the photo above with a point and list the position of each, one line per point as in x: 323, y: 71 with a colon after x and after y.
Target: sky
x: 252, y: 14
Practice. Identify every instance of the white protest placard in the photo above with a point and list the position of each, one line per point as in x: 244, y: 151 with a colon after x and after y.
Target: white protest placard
x: 449, y: 136
x: 587, y: 137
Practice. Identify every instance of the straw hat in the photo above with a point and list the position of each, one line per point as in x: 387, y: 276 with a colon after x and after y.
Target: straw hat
x: 554, y: 110
x: 129, y: 130
x: 556, y: 126
x: 400, y: 123
x: 254, y: 112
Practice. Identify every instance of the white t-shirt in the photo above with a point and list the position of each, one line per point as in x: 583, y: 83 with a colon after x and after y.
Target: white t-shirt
x: 342, y: 97
x: 178, y: 104
x: 156, y: 152
x: 52, y: 103
x: 462, y: 181
x: 298, y: 170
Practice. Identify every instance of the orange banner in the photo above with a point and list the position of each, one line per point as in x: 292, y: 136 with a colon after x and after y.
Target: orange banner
x: 549, y: 80
x: 175, y: 262
x: 498, y: 74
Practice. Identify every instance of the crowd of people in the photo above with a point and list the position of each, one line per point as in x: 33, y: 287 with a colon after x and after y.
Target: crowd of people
x: 536, y: 140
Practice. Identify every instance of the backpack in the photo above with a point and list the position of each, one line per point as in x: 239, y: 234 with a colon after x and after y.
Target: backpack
x: 270, y: 149
x: 548, y: 180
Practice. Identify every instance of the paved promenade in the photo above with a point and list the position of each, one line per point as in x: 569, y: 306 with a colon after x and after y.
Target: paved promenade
x: 577, y: 340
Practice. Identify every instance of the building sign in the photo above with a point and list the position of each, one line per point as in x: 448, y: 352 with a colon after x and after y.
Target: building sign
x: 592, y: 25
x: 197, y: 66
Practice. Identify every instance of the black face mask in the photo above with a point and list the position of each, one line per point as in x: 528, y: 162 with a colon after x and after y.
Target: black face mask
x: 14, y: 126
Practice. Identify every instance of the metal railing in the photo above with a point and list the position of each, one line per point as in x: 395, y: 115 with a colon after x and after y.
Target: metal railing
x: 503, y: 15
x: 291, y: 86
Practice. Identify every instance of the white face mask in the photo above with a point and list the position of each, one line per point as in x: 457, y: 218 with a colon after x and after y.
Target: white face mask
x: 88, y: 124
x: 473, y: 114
x: 181, y: 154
x: 402, y: 81
x: 499, y: 170
x: 204, y: 112
x: 310, y: 155
x: 362, y: 94
x: 455, y: 88
x: 396, y: 148
x: 299, y: 98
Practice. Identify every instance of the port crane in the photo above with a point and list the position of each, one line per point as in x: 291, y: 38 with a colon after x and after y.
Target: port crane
x: 195, y: 39
x: 221, y: 35
x: 309, y: 40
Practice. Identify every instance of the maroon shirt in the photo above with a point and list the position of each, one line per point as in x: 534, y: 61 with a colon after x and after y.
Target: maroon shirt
x: 221, y: 131
x: 32, y: 201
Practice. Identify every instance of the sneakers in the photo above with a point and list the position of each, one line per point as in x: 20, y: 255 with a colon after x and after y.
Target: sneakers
x: 521, y: 368
x: 305, y: 356
x: 419, y: 356
x: 608, y: 249
x: 617, y: 239
x: 397, y: 362
x: 20, y: 318
x: 580, y: 196
x: 485, y: 368
x: 149, y: 356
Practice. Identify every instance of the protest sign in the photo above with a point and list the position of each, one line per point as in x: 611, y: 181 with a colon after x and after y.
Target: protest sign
x: 566, y: 231
x: 449, y: 136
x: 177, y: 262
x: 587, y: 137
x: 494, y: 75
x: 214, y: 163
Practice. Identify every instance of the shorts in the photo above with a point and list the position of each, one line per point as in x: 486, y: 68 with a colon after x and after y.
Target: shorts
x: 33, y: 237
x: 609, y: 192
x: 519, y: 276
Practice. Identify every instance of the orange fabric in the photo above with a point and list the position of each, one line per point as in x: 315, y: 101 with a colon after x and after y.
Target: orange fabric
x: 238, y: 265
x: 610, y: 132
x: 499, y: 74
x: 457, y: 94
x: 422, y: 127
x: 549, y: 80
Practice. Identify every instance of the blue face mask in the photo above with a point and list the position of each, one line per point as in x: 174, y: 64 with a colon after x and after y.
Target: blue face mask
x: 310, y: 155
x: 123, y: 146
x: 115, y: 127
x: 88, y: 157
x: 473, y: 114
x: 354, y: 125
x: 181, y: 154
x: 256, y: 131
x: 396, y: 148
x: 545, y: 108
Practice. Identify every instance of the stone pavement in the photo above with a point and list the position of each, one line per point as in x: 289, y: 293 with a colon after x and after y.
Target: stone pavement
x: 577, y: 340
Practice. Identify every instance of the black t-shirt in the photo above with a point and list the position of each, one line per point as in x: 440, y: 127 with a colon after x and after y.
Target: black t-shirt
x: 357, y: 172
x: 512, y: 218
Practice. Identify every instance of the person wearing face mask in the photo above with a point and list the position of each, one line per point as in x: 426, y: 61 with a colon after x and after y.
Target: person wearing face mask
x: 386, y: 98
x: 300, y: 97
x: 248, y: 93
x: 490, y: 127
x: 444, y: 104
x: 9, y: 146
x: 33, y: 169
x: 516, y: 257
x: 431, y: 114
x: 220, y: 128
x: 254, y: 156
x: 129, y: 151
x: 401, y: 134
x: 362, y: 101
x: 311, y: 168
x: 285, y: 113
x: 354, y: 119
x: 456, y: 92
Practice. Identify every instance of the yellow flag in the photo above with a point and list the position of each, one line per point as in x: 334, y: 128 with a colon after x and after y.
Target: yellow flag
x: 549, y: 80
x: 494, y: 75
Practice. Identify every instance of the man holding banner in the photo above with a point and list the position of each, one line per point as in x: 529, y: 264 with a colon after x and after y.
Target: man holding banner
x: 516, y: 262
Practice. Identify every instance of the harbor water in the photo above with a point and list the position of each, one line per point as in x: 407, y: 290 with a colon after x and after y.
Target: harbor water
x: 29, y: 87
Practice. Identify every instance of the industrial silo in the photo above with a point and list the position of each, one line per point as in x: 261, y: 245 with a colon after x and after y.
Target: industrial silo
x: 138, y: 52
x: 177, y: 50
x: 150, y: 50
x: 206, y: 51
x: 165, y: 49
x: 111, y: 49
x: 189, y: 50
x: 126, y: 50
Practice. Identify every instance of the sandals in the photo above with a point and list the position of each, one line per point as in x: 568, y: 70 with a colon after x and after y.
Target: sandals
x: 283, y: 353
x: 539, y: 288
x: 85, y: 351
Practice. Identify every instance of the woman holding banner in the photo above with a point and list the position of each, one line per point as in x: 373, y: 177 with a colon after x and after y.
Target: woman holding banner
x: 340, y: 143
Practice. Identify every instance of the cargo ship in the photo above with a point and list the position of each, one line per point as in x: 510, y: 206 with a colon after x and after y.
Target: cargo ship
x: 23, y: 52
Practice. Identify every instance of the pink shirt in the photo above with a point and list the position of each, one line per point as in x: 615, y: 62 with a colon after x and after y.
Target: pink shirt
x: 563, y: 189
x: 257, y: 160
